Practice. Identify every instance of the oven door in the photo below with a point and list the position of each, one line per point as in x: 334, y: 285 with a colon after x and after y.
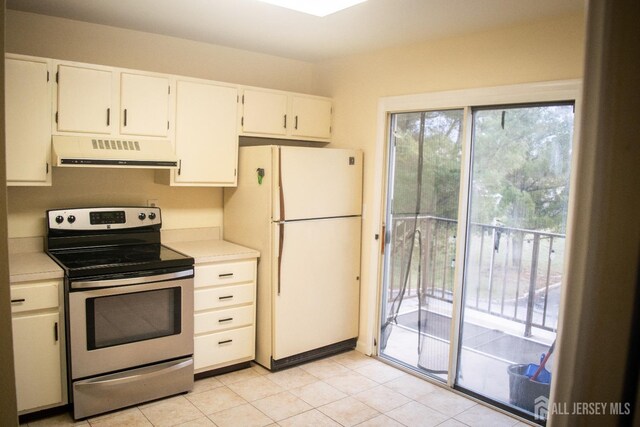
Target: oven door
x: 122, y: 323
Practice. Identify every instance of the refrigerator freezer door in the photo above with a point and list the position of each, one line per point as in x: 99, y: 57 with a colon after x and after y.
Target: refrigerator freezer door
x: 318, y: 183
x: 316, y: 301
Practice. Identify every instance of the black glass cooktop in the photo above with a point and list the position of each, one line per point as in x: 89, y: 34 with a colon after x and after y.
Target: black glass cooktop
x: 118, y: 259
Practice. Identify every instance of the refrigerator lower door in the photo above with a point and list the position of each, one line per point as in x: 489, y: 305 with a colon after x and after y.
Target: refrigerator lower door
x: 317, y: 286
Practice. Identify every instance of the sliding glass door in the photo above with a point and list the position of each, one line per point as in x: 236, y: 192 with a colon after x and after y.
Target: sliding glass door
x: 481, y: 323
x: 517, y: 203
x: 426, y: 150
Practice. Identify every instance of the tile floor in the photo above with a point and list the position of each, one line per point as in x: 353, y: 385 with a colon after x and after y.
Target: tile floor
x: 345, y: 390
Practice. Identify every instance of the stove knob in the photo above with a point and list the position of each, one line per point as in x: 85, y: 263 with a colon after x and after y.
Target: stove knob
x: 71, y: 219
x: 59, y: 219
x: 141, y: 216
x: 152, y: 215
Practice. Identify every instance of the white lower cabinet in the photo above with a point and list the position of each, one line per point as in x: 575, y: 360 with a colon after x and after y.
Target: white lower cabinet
x: 225, y: 307
x: 224, y: 348
x: 37, y: 345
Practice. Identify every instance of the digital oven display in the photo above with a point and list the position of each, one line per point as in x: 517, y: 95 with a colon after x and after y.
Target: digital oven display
x: 107, y: 217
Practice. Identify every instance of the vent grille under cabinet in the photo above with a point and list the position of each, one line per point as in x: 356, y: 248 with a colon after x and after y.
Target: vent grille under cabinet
x: 115, y: 144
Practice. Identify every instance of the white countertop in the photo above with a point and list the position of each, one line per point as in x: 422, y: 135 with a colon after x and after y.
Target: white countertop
x: 28, y: 261
x: 206, y: 251
x: 33, y: 266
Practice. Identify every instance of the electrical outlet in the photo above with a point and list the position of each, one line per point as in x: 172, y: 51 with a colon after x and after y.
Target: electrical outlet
x: 153, y: 203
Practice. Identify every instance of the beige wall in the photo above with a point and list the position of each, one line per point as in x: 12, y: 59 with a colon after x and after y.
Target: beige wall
x: 181, y: 207
x: 8, y: 408
x: 540, y: 51
x: 38, y: 35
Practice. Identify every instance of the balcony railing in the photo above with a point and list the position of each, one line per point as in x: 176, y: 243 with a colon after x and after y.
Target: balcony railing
x: 510, y: 272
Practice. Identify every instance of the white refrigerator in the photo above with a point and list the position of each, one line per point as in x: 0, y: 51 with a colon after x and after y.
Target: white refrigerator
x: 301, y: 208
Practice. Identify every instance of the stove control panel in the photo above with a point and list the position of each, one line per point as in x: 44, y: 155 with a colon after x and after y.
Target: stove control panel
x: 103, y: 218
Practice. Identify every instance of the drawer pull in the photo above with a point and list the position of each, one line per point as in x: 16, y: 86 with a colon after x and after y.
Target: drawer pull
x: 15, y: 301
x: 225, y: 342
x: 228, y: 319
x: 225, y: 297
x: 55, y: 332
x: 225, y: 275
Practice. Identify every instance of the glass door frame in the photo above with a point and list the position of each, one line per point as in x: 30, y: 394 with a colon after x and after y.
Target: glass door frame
x: 460, y: 230
x: 545, y: 92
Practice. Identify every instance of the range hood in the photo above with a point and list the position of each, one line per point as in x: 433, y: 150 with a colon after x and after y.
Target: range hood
x: 90, y: 151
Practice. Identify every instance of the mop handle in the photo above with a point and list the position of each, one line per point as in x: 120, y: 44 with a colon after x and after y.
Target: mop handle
x: 544, y: 361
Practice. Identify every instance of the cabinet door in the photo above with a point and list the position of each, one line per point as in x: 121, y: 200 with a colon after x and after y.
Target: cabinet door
x: 264, y: 112
x: 84, y: 100
x: 311, y: 117
x: 144, y: 105
x: 206, y: 133
x: 36, y: 351
x: 28, y: 122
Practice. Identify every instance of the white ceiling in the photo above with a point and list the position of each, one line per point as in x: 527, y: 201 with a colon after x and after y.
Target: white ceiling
x: 261, y: 27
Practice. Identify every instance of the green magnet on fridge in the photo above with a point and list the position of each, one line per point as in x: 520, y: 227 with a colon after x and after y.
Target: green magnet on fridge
x: 260, y: 175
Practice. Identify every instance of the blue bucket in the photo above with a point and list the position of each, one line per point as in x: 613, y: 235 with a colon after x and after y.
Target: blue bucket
x: 522, y: 391
x: 543, y: 377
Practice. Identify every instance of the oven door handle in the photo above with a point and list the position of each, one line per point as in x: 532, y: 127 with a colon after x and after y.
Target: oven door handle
x: 94, y: 284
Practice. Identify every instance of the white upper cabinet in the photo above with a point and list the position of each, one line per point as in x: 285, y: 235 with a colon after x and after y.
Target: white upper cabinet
x: 202, y: 118
x: 285, y: 115
x: 105, y: 101
x: 84, y: 100
x: 27, y: 121
x: 144, y: 102
x: 264, y: 112
x: 311, y: 117
x: 206, y: 134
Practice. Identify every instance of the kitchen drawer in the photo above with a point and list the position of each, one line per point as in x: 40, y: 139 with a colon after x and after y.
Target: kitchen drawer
x: 224, y: 273
x: 34, y: 297
x: 223, y: 347
x: 212, y: 321
x: 225, y: 296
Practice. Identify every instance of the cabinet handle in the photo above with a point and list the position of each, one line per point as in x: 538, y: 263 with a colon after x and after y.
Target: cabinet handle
x: 225, y: 297
x: 225, y: 275
x: 16, y: 301
x: 179, y: 167
x: 47, y: 168
x: 295, y: 126
x: 285, y: 121
x: 108, y: 116
x: 224, y: 342
x: 228, y: 319
x: 55, y: 331
x: 125, y: 117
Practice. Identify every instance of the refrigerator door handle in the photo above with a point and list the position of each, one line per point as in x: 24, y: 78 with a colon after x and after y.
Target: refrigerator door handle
x: 280, y: 248
x: 281, y: 189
